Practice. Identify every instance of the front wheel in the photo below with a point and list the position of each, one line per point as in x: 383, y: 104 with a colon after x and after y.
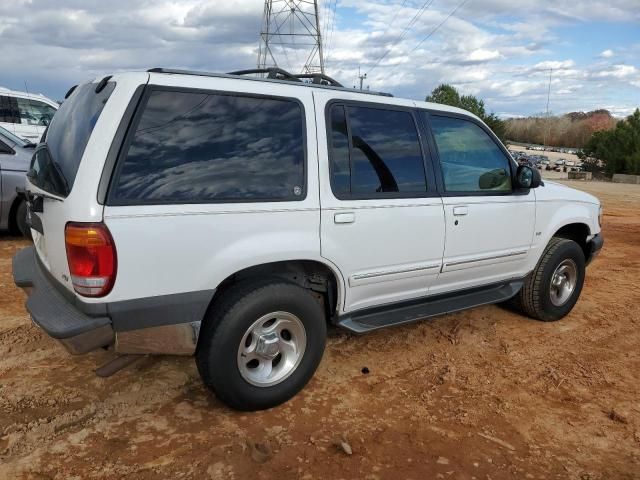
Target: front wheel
x: 261, y: 343
x: 553, y: 288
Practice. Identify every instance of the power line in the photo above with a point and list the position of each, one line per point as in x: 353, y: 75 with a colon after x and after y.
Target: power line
x: 460, y: 5
x: 404, y: 32
x: 432, y: 32
x: 328, y: 36
x: 394, y: 18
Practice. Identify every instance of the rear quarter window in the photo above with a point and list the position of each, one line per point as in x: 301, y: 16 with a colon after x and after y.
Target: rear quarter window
x: 208, y: 147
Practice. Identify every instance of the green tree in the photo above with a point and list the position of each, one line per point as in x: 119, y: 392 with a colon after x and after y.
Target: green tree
x: 448, y: 95
x: 618, y: 148
x: 445, y: 94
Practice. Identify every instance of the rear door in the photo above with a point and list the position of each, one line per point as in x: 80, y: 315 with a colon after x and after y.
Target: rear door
x: 489, y: 225
x: 382, y: 220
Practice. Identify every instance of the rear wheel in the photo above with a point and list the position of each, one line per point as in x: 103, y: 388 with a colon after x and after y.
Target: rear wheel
x: 21, y: 220
x: 261, y: 343
x: 553, y: 288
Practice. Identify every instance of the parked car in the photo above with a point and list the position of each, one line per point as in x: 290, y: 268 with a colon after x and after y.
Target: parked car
x: 560, y: 161
x: 235, y: 217
x: 15, y: 155
x: 25, y: 115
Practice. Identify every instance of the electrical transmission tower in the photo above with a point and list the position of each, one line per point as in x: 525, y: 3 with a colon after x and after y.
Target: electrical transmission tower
x: 291, y: 27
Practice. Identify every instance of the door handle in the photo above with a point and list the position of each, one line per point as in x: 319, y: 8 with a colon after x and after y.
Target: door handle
x: 460, y: 211
x: 349, y: 217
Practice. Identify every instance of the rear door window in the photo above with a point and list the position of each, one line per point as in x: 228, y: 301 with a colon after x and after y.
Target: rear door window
x: 208, y: 147
x: 55, y: 165
x: 375, y: 152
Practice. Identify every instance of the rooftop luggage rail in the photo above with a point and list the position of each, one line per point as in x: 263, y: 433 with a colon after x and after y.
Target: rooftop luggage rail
x: 274, y: 74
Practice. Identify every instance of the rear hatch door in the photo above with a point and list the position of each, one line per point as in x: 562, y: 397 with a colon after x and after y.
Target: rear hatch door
x: 66, y: 167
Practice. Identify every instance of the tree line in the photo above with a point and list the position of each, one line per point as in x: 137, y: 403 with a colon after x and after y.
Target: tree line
x: 570, y: 130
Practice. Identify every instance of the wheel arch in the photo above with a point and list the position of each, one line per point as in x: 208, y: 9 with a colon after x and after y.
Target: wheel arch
x: 318, y: 276
x: 578, y: 232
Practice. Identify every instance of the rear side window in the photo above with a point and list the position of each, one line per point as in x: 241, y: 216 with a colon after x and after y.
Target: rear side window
x: 375, y: 152
x: 9, y: 110
x: 56, y: 163
x: 469, y: 158
x: 195, y: 147
x: 34, y: 112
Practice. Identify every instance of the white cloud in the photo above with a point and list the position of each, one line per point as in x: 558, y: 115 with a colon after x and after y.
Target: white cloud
x: 554, y: 65
x: 618, y: 71
x: 500, y: 50
x: 483, y: 55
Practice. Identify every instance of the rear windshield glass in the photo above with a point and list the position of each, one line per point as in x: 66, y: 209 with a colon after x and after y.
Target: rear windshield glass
x: 55, y: 165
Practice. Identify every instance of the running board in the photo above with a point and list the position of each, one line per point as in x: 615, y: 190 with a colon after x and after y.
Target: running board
x: 406, y: 312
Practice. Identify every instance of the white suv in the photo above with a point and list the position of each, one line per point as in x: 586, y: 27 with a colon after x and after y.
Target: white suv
x: 234, y: 217
x: 25, y: 115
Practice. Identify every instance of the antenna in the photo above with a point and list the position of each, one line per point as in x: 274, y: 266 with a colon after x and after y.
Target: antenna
x: 546, y: 127
x: 362, y: 78
x: 291, y: 26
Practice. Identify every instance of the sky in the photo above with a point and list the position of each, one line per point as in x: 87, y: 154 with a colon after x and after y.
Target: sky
x: 500, y: 50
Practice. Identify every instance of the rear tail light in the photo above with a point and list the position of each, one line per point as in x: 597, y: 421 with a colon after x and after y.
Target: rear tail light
x: 91, y: 254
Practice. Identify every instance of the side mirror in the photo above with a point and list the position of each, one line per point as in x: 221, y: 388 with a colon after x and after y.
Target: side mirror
x: 527, y: 177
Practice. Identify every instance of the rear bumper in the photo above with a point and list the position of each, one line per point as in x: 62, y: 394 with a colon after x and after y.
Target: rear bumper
x: 595, y: 245
x: 55, y: 314
x: 166, y: 324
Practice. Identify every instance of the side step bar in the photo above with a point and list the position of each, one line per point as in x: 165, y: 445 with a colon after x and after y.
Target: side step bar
x: 406, y: 312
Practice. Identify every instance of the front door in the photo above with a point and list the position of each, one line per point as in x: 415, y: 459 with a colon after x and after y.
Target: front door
x: 382, y: 221
x: 489, y: 226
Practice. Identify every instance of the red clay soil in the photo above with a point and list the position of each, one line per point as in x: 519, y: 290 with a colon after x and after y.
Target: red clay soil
x: 483, y: 394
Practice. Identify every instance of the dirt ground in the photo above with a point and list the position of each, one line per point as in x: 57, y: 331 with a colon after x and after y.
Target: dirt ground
x: 483, y: 394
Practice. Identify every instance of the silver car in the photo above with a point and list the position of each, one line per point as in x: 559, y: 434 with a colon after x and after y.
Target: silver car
x: 15, y: 157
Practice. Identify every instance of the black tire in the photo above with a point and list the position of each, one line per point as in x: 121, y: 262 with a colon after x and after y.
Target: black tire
x: 21, y: 220
x: 534, y: 299
x: 225, y: 326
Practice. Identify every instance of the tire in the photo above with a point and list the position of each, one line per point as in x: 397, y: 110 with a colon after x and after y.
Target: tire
x: 537, y: 298
x: 220, y: 357
x: 21, y: 220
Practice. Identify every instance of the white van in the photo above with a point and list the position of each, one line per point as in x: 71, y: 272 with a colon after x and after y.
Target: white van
x: 25, y: 114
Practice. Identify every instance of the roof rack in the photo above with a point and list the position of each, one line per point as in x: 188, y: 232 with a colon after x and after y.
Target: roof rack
x: 274, y: 74
x: 280, y: 74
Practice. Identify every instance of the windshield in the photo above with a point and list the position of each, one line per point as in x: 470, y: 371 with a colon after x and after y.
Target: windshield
x: 13, y: 138
x: 55, y: 164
